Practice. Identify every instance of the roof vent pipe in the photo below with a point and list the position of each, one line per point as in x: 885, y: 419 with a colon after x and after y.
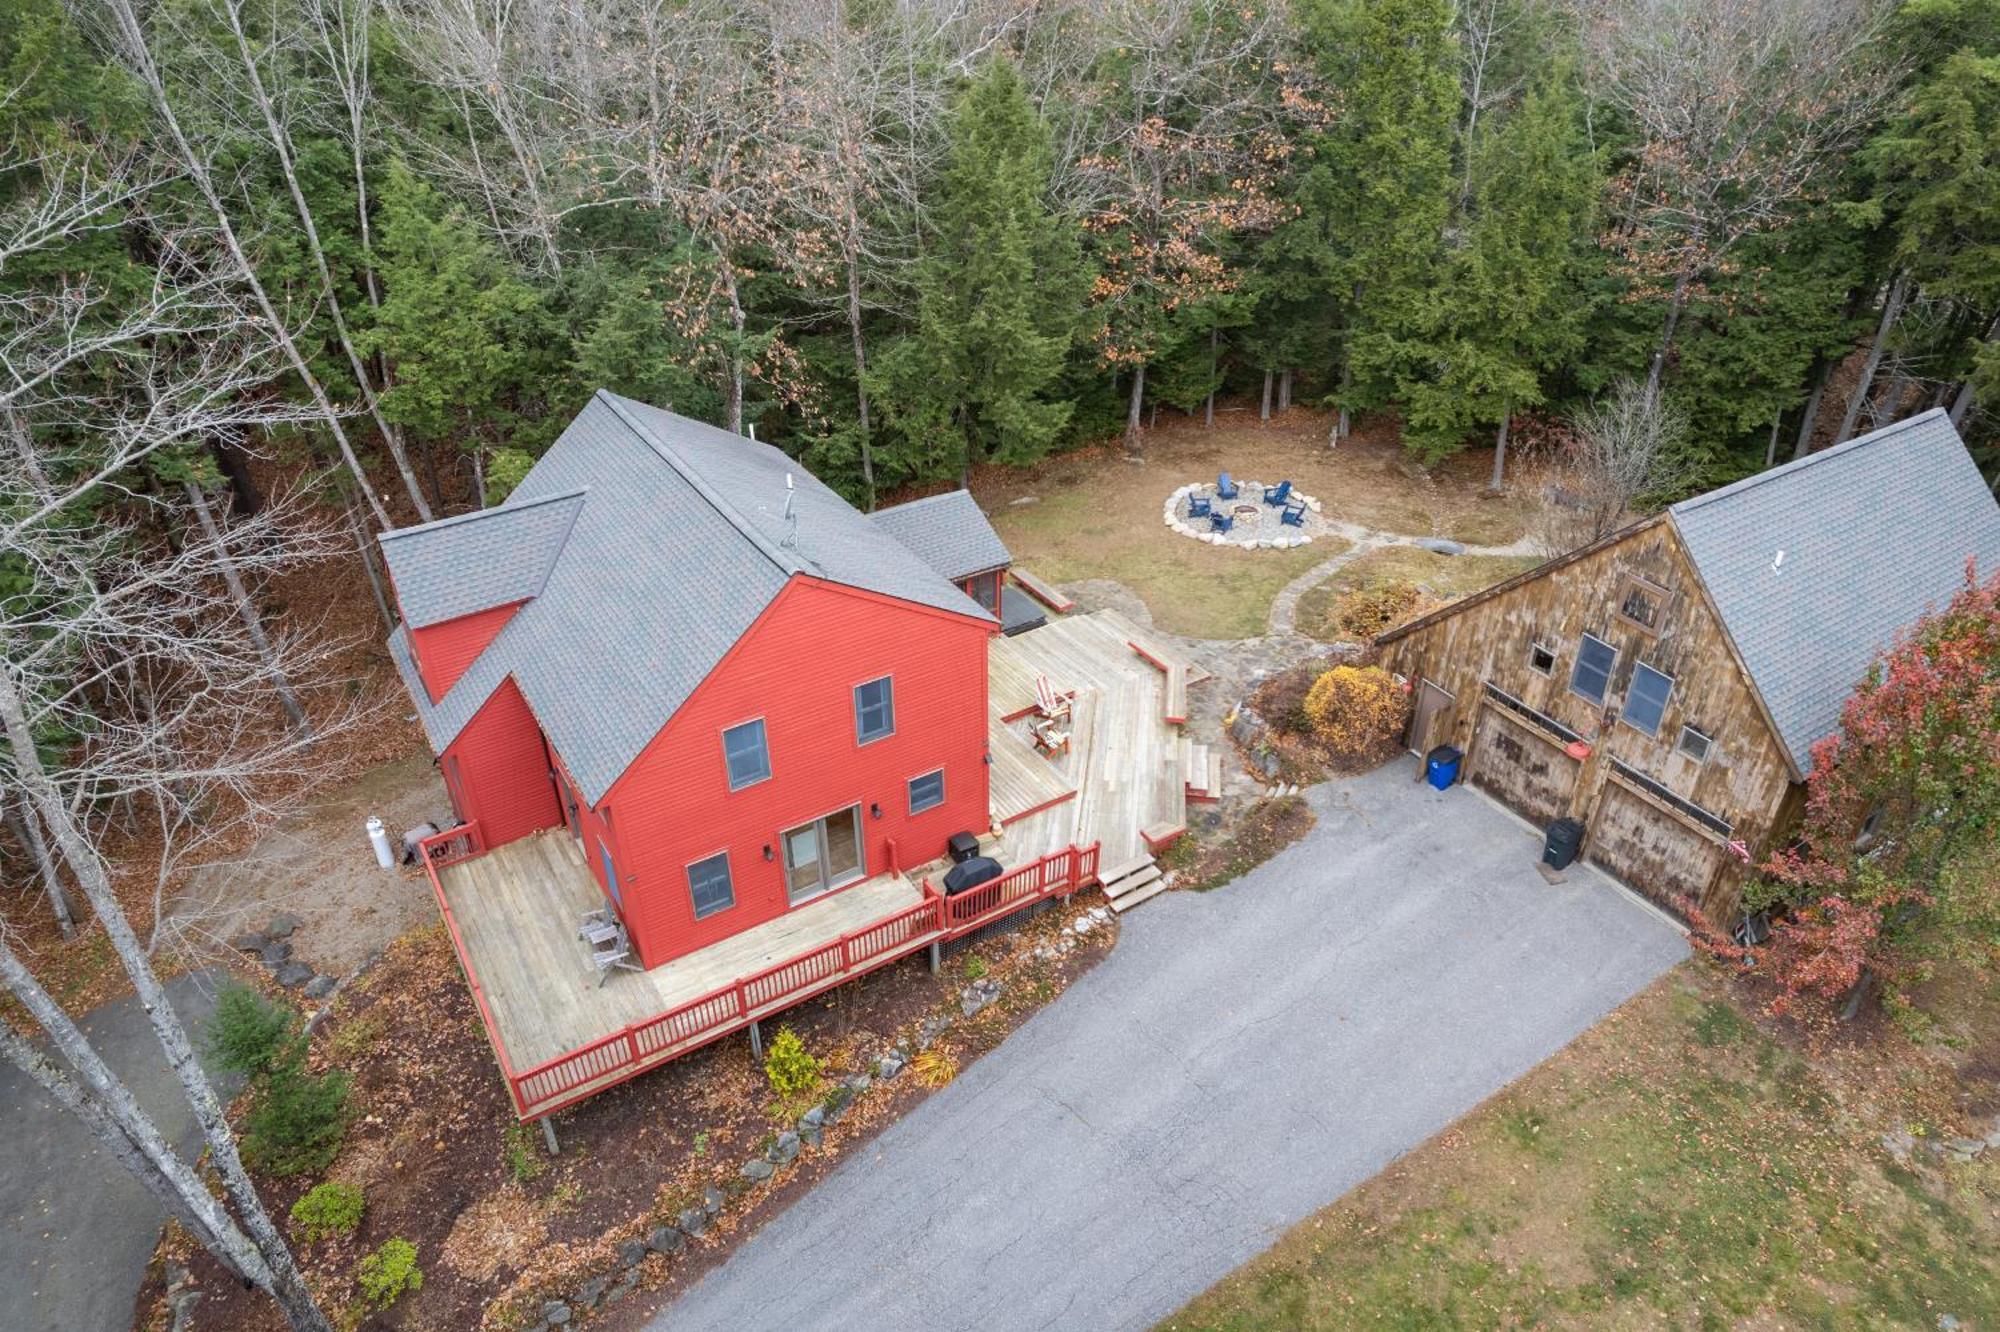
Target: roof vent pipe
x: 791, y: 519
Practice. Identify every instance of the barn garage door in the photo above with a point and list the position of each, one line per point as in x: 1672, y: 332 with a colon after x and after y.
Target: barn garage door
x: 1652, y: 851
x: 1524, y: 769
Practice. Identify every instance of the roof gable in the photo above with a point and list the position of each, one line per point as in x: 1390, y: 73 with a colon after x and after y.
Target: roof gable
x: 1815, y: 566
x: 948, y: 532
x: 676, y: 543
x: 477, y: 561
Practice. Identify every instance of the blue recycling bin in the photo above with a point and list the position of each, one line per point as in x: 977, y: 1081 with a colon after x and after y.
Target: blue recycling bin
x: 1441, y: 766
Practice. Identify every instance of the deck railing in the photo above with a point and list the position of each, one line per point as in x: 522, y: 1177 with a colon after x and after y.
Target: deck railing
x: 579, y: 1073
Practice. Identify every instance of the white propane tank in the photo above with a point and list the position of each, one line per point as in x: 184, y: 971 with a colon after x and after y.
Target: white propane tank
x: 378, y: 837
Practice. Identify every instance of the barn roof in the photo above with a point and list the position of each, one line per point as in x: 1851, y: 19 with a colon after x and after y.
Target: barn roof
x: 676, y: 542
x: 949, y: 532
x: 1815, y: 566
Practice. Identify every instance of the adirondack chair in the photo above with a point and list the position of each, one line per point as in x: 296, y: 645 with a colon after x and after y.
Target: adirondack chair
x: 1220, y: 522
x: 1050, y: 704
x: 1225, y: 486
x: 1295, y: 513
x: 1278, y: 494
x: 1197, y: 506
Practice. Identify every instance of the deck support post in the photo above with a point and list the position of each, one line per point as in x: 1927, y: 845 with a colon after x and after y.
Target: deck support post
x: 936, y: 959
x: 756, y: 1042
x: 548, y: 1123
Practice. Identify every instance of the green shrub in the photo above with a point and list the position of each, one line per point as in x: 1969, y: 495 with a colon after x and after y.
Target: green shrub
x: 524, y: 1154
x: 327, y: 1210
x: 975, y: 967
x: 390, y: 1273
x: 247, y: 1033
x: 296, y: 1119
x: 792, y: 1071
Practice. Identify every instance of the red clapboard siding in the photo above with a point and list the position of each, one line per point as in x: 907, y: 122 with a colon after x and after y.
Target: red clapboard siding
x: 499, y: 770
x: 797, y: 667
x: 444, y: 651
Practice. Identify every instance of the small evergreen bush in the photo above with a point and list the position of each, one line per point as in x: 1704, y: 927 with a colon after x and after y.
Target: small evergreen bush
x: 390, y: 1273
x: 1357, y: 712
x: 792, y: 1072
x: 248, y: 1034
x: 296, y: 1117
x: 328, y: 1209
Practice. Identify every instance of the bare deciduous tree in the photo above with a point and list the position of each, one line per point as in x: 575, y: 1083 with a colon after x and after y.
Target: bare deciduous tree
x: 1623, y: 449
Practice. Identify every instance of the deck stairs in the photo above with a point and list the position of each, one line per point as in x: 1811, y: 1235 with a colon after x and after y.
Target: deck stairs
x: 1201, y: 768
x: 1133, y: 882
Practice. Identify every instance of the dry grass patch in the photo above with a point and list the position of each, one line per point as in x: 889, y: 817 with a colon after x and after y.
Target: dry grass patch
x: 1395, y: 584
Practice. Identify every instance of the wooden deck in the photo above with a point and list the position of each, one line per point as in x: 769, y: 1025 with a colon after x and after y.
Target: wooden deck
x: 518, y: 907
x: 1125, y: 759
x: 1022, y: 781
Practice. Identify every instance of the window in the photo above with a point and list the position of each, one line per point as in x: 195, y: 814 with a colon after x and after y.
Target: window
x: 1541, y: 660
x: 748, y: 757
x: 1646, y: 699
x: 610, y: 872
x: 1695, y: 744
x: 874, y: 711
x: 985, y: 589
x: 1642, y: 603
x: 927, y: 791
x: 1871, y: 828
x: 1591, y: 676
x: 709, y: 885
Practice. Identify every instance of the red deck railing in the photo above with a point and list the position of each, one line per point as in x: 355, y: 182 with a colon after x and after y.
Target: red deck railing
x: 570, y: 1077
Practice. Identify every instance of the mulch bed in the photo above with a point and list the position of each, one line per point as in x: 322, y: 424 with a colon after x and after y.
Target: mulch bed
x: 499, y: 1226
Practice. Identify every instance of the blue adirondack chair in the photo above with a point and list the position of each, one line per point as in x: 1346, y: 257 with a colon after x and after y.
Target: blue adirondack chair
x: 1225, y: 487
x: 1295, y: 513
x: 1197, y: 506
x: 1278, y: 494
x: 1220, y: 522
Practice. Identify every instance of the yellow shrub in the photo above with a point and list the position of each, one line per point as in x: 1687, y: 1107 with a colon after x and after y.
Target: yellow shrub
x: 1358, y: 712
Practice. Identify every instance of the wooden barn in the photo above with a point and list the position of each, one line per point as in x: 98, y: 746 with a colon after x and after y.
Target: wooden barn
x: 699, y: 718
x: 1665, y: 685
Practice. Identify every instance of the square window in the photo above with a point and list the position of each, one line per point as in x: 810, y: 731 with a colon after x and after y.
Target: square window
x: 874, y: 711
x: 1541, y: 660
x: 927, y: 791
x: 1642, y: 603
x: 1646, y: 699
x: 748, y: 757
x: 1695, y: 744
x: 1591, y: 676
x: 709, y: 885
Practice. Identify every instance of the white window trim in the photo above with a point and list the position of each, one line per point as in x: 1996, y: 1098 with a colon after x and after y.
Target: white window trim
x: 909, y: 792
x: 1707, y: 744
x: 1625, y: 710
x: 1555, y: 658
x: 1610, y: 672
x: 723, y: 740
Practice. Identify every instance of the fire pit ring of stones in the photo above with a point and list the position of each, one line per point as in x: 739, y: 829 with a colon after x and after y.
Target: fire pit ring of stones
x: 1258, y: 526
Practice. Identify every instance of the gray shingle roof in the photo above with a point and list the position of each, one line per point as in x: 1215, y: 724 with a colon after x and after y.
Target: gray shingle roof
x: 949, y: 532
x: 677, y: 544
x: 1872, y: 533
x: 477, y: 561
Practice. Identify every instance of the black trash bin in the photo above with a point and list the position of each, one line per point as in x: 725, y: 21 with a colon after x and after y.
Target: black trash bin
x: 1565, y: 837
x: 961, y: 847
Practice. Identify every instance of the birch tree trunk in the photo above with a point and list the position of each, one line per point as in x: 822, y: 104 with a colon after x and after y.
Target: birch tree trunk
x: 1135, y: 410
x: 860, y: 353
x: 1500, y: 450
x: 1803, y: 445
x: 287, y: 1288
x: 246, y: 609
x: 1892, y: 308
x: 1264, y: 403
x: 365, y: 547
x: 736, y: 322
x: 1284, y: 392
x: 139, y: 61
x: 1208, y: 408
x: 27, y: 829
x: 281, y: 145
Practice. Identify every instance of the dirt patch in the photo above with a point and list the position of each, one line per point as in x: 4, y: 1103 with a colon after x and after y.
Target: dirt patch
x: 1205, y: 859
x: 499, y: 1223
x: 1095, y: 513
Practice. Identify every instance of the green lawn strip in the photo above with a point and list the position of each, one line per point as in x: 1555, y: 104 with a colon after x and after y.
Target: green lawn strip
x: 1675, y: 1169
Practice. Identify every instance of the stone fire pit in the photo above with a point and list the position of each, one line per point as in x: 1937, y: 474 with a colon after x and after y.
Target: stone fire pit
x: 1258, y: 525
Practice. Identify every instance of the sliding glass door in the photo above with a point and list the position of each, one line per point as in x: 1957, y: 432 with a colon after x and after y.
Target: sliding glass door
x: 822, y: 855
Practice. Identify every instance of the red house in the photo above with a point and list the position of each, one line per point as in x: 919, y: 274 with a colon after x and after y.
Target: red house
x: 734, y: 692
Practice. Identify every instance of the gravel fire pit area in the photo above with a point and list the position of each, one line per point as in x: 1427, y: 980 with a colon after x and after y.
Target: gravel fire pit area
x: 1256, y: 526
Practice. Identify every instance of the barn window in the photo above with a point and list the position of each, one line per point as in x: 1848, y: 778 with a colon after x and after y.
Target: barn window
x: 748, y: 757
x: 1642, y: 603
x: 1695, y: 744
x: 1591, y: 676
x: 709, y: 885
x: 1541, y: 659
x: 874, y: 711
x: 1646, y: 699
x: 927, y: 791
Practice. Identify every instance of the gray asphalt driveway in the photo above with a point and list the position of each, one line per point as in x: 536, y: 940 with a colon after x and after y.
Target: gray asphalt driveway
x: 76, y: 1231
x: 1241, y: 1059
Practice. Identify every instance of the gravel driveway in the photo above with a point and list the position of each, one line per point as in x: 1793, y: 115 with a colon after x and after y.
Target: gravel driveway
x: 1241, y: 1059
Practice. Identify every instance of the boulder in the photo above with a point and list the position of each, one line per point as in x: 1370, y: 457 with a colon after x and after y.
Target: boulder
x: 319, y: 987
x: 692, y: 1222
x: 1441, y: 546
x: 758, y: 1171
x: 665, y: 1239
x: 591, y: 1292
x: 712, y: 1200
x: 632, y: 1252
x: 274, y: 954
x: 282, y: 925
x: 249, y: 941
x: 293, y: 974
x: 555, y: 1313
x: 784, y: 1150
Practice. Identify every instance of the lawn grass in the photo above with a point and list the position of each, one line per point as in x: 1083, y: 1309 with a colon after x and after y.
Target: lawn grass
x: 1675, y: 1167
x: 1440, y: 577
x: 1095, y: 513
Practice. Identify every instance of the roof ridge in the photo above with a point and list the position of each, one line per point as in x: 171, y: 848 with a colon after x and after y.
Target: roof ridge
x: 1796, y: 465
x: 493, y: 511
x: 729, y: 513
x: 926, y: 499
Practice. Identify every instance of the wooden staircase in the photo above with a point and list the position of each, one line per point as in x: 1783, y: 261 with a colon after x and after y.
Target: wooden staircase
x: 1133, y: 882
x: 1201, y: 770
